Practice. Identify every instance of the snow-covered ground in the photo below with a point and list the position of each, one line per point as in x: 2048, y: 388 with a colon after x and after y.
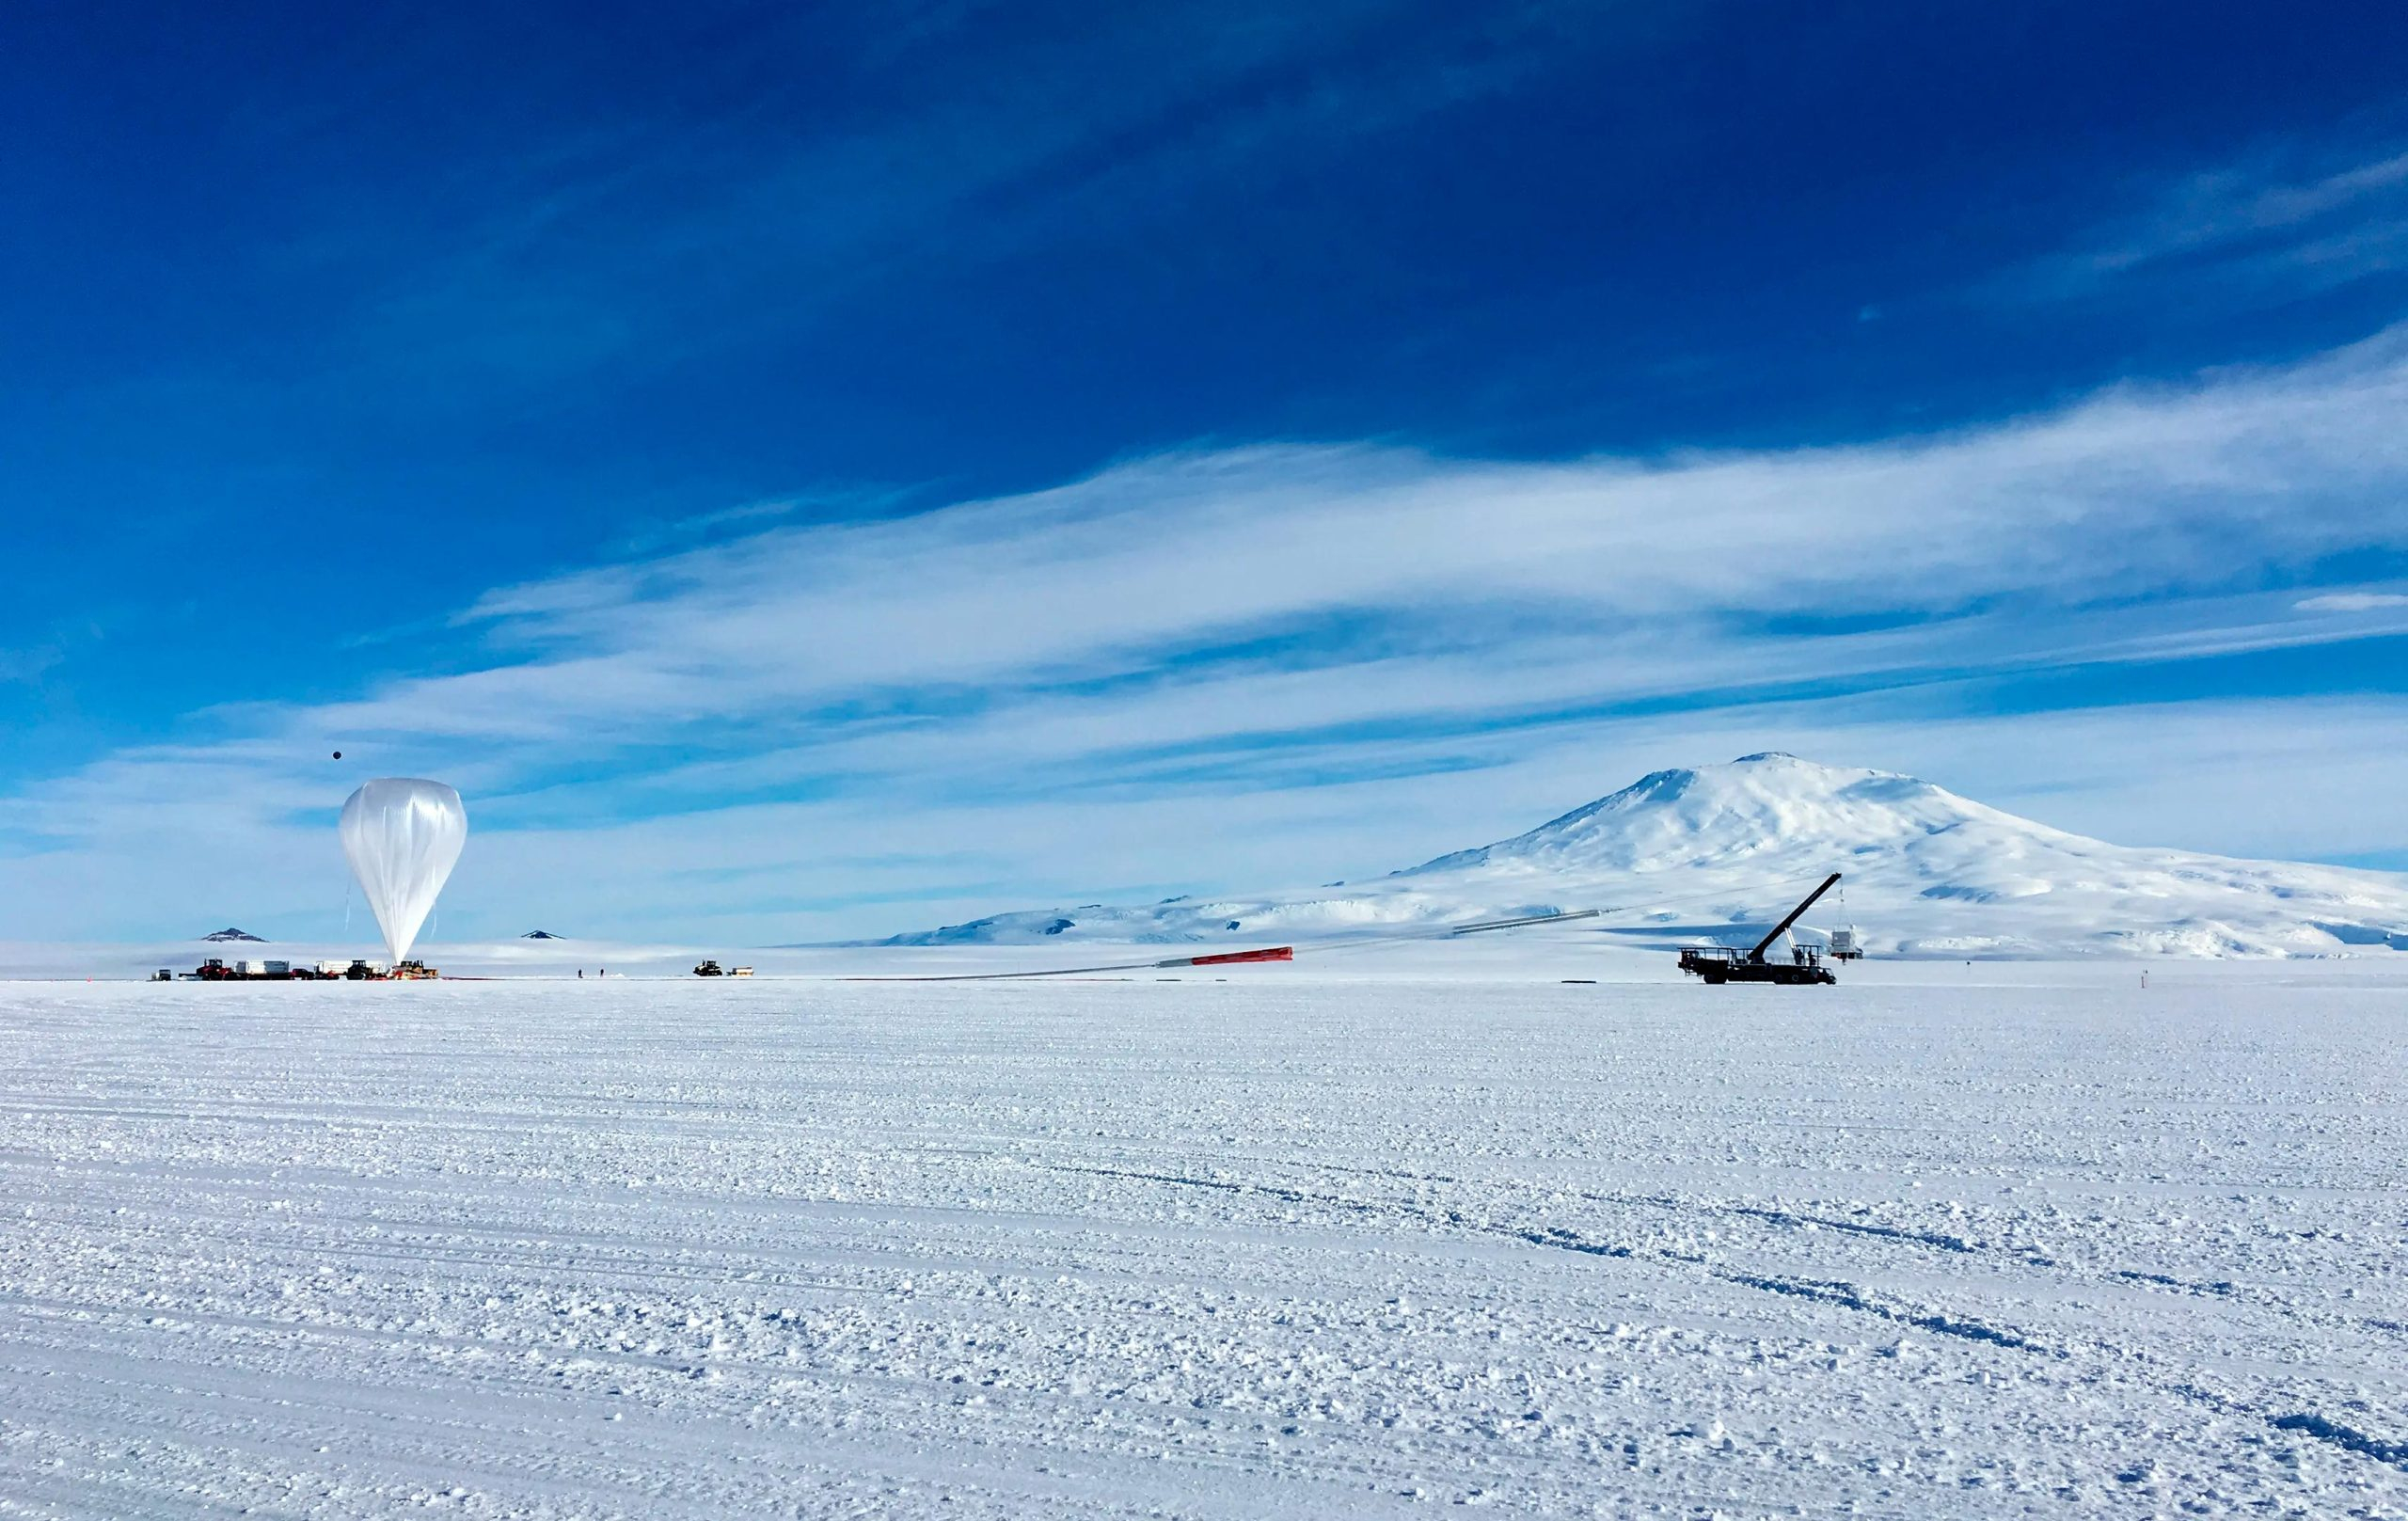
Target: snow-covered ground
x: 1716, y: 851
x: 1943, y: 1241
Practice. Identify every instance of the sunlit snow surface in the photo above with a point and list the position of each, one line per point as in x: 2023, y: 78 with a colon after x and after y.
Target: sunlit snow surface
x: 1943, y: 1241
x: 1717, y: 852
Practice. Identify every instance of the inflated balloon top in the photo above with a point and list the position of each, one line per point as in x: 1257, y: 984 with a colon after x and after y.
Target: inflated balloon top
x: 403, y: 836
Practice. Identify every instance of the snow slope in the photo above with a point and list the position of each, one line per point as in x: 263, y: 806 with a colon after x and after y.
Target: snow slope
x: 1941, y: 1242
x: 1717, y: 850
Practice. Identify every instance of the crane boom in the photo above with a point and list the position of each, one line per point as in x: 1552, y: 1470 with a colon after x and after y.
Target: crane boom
x: 1764, y: 944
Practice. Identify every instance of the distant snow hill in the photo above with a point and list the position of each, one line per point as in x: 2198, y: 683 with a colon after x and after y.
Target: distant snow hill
x: 1708, y: 854
x: 230, y: 934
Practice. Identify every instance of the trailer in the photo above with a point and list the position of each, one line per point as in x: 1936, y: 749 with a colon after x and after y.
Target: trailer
x: 215, y: 970
x: 1718, y: 964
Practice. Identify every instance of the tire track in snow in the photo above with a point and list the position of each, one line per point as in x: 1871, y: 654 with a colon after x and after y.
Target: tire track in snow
x: 1799, y: 1220
x: 1556, y: 1238
x: 1837, y: 1292
x: 1845, y: 1294
x: 2394, y: 1453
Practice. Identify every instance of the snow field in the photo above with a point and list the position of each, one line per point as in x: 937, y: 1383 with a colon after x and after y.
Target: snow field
x: 1719, y: 852
x: 2051, y: 1244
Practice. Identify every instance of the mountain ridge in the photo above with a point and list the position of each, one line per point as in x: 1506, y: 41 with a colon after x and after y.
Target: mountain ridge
x: 1706, y: 852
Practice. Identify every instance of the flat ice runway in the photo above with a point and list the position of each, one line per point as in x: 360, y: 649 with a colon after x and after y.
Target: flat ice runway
x: 1941, y: 1242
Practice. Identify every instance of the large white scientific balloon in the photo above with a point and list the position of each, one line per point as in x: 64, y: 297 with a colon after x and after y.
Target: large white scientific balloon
x: 403, y: 836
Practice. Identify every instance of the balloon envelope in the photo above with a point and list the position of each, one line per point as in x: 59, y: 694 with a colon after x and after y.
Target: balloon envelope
x: 403, y: 836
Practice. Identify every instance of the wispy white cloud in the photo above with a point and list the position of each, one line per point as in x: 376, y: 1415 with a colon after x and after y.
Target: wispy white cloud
x: 2271, y: 222
x: 2136, y: 493
x: 2351, y: 602
x: 656, y: 242
x: 1236, y: 665
x: 27, y: 665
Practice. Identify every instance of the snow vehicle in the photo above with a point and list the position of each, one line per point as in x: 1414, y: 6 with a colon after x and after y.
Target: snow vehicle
x: 215, y: 970
x: 1718, y: 964
x: 710, y: 969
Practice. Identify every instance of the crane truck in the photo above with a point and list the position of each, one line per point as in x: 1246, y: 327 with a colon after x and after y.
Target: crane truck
x: 1718, y: 964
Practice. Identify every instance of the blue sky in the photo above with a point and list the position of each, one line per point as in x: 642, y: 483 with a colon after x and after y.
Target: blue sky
x: 809, y: 472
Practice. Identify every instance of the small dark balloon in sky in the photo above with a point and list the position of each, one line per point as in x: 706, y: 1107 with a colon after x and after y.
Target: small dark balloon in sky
x: 338, y: 754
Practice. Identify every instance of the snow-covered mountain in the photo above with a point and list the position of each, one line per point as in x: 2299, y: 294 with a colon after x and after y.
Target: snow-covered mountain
x: 1709, y: 852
